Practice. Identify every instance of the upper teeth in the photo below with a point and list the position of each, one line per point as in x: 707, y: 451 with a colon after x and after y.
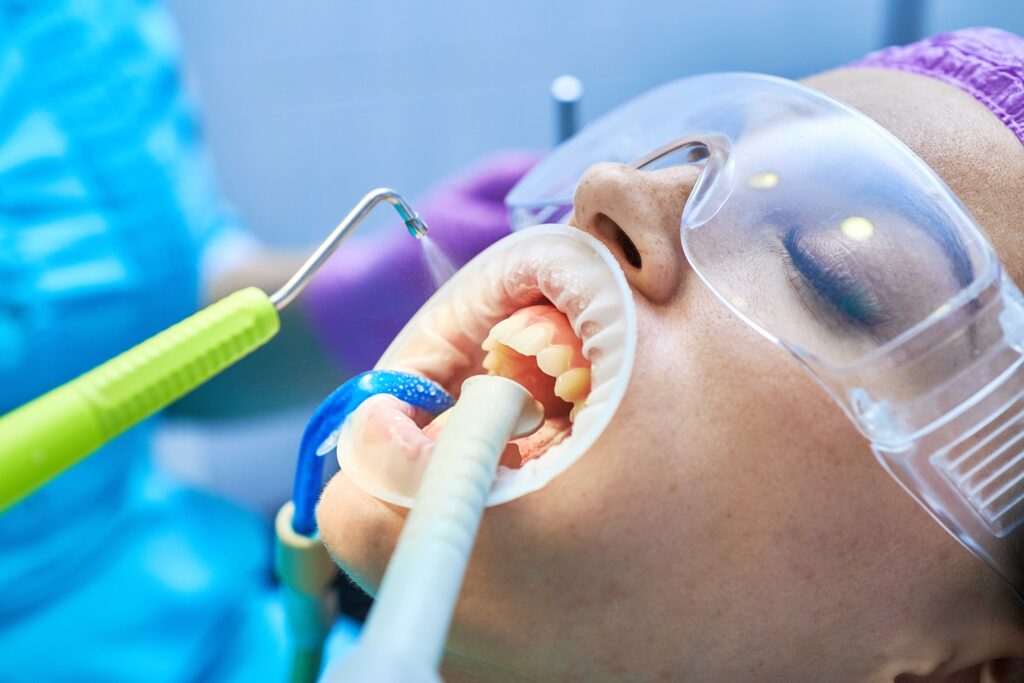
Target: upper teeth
x: 530, y: 339
x: 508, y: 327
x: 554, y: 360
x: 534, y: 339
x: 573, y: 385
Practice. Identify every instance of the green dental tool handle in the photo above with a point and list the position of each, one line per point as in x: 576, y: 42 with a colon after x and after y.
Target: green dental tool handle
x: 48, y: 435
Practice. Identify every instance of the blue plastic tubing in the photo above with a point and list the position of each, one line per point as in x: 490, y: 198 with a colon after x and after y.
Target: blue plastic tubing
x: 309, y: 472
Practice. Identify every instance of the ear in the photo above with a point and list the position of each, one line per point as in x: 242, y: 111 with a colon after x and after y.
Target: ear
x: 994, y: 671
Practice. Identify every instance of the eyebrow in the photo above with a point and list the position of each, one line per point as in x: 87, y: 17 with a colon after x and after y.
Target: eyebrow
x: 925, y: 214
x: 921, y: 212
x: 916, y: 208
x: 956, y: 252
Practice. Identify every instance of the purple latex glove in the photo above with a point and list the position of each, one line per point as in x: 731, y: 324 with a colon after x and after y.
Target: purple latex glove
x: 370, y: 288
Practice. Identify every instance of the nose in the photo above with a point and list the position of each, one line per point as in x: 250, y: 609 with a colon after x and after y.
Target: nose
x: 636, y: 214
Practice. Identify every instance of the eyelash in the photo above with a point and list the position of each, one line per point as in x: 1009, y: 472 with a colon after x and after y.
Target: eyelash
x: 828, y: 288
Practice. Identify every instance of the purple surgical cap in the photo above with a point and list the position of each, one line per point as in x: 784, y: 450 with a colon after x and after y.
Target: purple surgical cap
x: 986, y: 62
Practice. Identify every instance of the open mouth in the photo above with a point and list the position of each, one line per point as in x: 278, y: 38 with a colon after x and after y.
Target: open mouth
x: 538, y: 348
x: 547, y: 307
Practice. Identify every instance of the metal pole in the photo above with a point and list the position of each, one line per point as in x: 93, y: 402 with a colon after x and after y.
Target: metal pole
x: 566, y: 93
x: 904, y: 21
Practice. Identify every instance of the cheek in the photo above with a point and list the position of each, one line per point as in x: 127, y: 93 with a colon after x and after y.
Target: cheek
x: 799, y: 502
x: 727, y: 458
x: 626, y: 521
x: 726, y: 472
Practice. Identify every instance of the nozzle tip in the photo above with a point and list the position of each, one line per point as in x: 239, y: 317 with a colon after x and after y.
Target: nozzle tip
x: 417, y: 228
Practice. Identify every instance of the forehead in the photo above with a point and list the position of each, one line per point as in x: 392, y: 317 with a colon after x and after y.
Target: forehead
x: 971, y: 150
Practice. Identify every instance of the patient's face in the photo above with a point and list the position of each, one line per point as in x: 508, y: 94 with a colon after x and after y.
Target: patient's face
x: 730, y: 524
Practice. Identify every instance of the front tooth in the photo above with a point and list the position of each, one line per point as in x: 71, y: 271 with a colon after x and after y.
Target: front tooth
x: 505, y: 329
x: 576, y: 408
x: 490, y: 344
x: 532, y: 339
x: 573, y: 384
x: 554, y: 360
x: 490, y: 362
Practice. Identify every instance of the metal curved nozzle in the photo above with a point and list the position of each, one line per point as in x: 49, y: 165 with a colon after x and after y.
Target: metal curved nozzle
x: 413, y: 223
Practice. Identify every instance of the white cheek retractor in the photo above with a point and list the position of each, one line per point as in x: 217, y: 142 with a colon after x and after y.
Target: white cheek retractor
x: 565, y: 266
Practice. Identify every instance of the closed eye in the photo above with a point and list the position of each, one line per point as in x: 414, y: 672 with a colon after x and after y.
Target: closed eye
x: 832, y: 280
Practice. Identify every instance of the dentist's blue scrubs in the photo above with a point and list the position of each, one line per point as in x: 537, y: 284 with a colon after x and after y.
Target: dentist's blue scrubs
x: 107, y: 217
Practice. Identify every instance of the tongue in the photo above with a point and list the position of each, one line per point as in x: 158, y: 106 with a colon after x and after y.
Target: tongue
x: 533, y: 446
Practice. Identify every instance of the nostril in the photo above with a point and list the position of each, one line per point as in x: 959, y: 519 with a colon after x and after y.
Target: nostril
x: 629, y: 249
x: 610, y: 230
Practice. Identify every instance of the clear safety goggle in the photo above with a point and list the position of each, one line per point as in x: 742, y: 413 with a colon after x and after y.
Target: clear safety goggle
x: 831, y: 238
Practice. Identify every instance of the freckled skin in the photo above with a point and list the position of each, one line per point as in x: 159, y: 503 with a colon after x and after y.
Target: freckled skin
x: 730, y: 525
